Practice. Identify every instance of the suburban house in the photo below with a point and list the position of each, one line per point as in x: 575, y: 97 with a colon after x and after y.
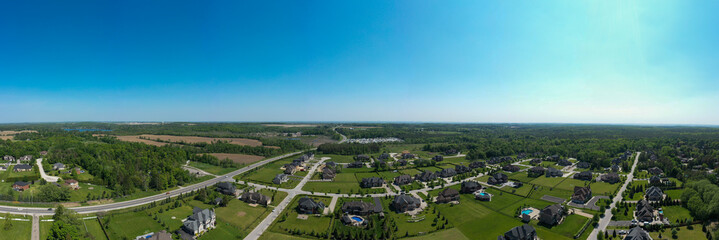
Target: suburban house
x: 407, y: 155
x: 402, y: 162
x: 461, y: 169
x: 355, y: 165
x: 448, y: 195
x: 426, y: 176
x: 362, y: 158
x: 477, y: 164
x: 291, y: 168
x: 161, y: 235
x: 564, y: 162
x: 199, y: 222
x: 403, y: 203
x: 255, y: 198
x: 351, y: 221
x: 498, y: 178
x: 383, y: 156
x: 644, y: 211
x: 524, y: 232
x: 581, y: 194
x: 26, y: 158
x: 654, y: 194
x: 551, y: 215
x: 402, y: 180
x: 553, y: 172
x: 535, y: 171
x: 535, y: 161
x: 310, y: 206
x: 637, y: 233
x: 328, y: 173
x: 511, y: 168
x: 22, y: 168
x: 331, y: 164
x: 655, y: 180
x: 483, y: 196
x: 372, y: 182
x: 227, y: 188
x: 447, y: 172
x: 58, y: 166
x: 586, y: 176
x: 470, y: 187
x: 3, y: 167
x: 438, y: 158
x: 73, y: 184
x: 451, y: 152
x: 8, y: 158
x: 280, y: 178
x: 655, y: 171
x: 611, y: 178
x: 615, y: 168
x: 583, y: 165
x: 20, y: 186
x: 361, y: 208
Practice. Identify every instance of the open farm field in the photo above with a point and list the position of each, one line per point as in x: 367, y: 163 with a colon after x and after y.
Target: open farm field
x: 238, y: 158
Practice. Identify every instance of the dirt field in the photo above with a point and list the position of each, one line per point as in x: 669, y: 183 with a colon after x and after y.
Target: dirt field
x: 16, y: 132
x: 358, y: 127
x: 191, y: 139
x: 238, y: 158
x: 6, y: 137
x: 290, y: 125
x: 137, y: 139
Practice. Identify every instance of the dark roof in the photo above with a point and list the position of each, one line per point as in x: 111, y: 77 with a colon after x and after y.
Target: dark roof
x: 586, y: 175
x: 524, y: 232
x: 581, y: 193
x: 553, y: 172
x: 22, y: 166
x: 637, y: 233
x: 654, y: 192
x: 21, y: 183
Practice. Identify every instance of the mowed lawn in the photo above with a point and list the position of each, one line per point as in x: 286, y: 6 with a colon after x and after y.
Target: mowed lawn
x: 279, y: 236
x: 547, y: 182
x: 453, y: 233
x: 569, y: 226
x: 268, y: 172
x: 343, y: 183
x: 603, y: 188
x: 132, y: 224
x: 20, y: 230
x: 674, y: 213
x: 312, y: 223
x: 683, y: 233
x: 217, y: 170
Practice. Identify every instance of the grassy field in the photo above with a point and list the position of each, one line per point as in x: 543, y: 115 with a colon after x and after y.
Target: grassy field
x: 20, y: 230
x: 217, y: 170
x: 223, y: 230
x: 569, y: 184
x: 279, y: 236
x: 268, y: 172
x: 540, y: 191
x: 603, y: 188
x: 132, y: 224
x: 683, y: 233
x: 92, y: 226
x: 674, y: 193
x: 527, y: 202
x: 674, y: 213
x: 238, y: 158
x: 547, y: 182
x: 406, y: 227
x: 452, y: 233
x: 288, y: 219
x: 569, y: 226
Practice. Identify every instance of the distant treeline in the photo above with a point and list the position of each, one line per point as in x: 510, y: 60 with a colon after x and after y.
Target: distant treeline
x: 349, y: 149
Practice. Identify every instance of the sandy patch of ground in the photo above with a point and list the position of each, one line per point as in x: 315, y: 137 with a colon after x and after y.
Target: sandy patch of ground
x: 6, y: 137
x: 101, y: 201
x: 358, y: 127
x: 238, y: 158
x: 137, y: 139
x: 16, y: 132
x: 193, y: 139
x: 290, y: 125
x: 241, y: 214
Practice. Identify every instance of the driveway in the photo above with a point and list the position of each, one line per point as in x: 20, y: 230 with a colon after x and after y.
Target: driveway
x: 42, y: 172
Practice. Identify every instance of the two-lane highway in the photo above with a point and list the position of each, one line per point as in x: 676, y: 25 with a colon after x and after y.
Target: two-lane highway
x: 145, y: 200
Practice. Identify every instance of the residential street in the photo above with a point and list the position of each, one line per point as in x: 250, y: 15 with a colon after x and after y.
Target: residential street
x: 604, y: 222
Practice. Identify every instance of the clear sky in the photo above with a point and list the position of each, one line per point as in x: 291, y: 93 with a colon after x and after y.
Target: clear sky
x: 616, y: 61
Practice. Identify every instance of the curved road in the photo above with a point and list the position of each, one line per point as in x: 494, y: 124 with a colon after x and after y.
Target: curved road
x: 141, y: 201
x: 604, y: 222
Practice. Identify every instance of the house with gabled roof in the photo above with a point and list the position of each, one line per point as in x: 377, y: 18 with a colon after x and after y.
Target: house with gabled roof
x: 426, y: 176
x: 402, y: 180
x: 227, y: 188
x: 655, y: 171
x: 328, y: 173
x: 583, y: 165
x: 372, y: 182
x: 611, y: 178
x: 447, y: 172
x: 470, y: 187
x: 524, y: 232
x: 460, y: 169
x: 308, y: 205
x: 564, y: 162
x: 355, y: 165
x: 201, y: 221
x: 637, y: 233
x: 553, y: 172
x: 551, y: 215
x: 22, y: 168
x: 438, y: 158
x: 581, y: 194
x: 586, y: 176
x: 535, y: 171
x: 654, y: 194
x: 644, y: 211
x: 255, y: 198
x: 58, y: 166
x: 280, y: 178
x: 448, y: 195
x: 477, y: 164
x: 511, y: 168
x: 404, y: 203
x: 498, y: 178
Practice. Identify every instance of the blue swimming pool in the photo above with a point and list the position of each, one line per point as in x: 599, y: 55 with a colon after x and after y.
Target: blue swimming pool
x: 358, y: 219
x: 483, y: 194
x: 528, y: 211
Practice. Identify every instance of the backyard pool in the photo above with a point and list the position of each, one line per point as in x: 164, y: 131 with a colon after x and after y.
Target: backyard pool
x: 483, y: 194
x: 358, y: 219
x: 528, y: 211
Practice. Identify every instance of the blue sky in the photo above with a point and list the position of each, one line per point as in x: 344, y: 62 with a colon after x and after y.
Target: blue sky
x: 645, y: 62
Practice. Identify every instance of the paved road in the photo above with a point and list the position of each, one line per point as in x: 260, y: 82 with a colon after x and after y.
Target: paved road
x: 604, y: 222
x: 35, y: 228
x: 42, y: 172
x: 141, y: 201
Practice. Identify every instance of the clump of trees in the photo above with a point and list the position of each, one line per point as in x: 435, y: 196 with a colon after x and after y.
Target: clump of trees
x: 702, y: 199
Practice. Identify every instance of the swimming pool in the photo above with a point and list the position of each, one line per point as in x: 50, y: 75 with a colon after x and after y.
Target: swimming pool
x: 358, y: 219
x: 483, y: 194
x: 528, y: 211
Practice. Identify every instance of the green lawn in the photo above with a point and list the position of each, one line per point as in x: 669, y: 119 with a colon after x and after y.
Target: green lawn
x: 548, y: 182
x: 93, y: 227
x: 523, y: 190
x: 674, y: 213
x: 267, y: 172
x: 132, y: 224
x: 217, y: 170
x: 223, y: 230
x: 20, y: 230
x: 288, y: 219
x: 453, y: 233
x: 279, y: 236
x: 569, y: 184
x: 570, y: 226
x: 603, y: 188
x: 344, y: 183
x: 527, y: 202
x: 521, y: 176
x: 85, y: 189
x: 406, y: 227
x: 674, y: 193
x: 540, y: 191
x: 683, y: 233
